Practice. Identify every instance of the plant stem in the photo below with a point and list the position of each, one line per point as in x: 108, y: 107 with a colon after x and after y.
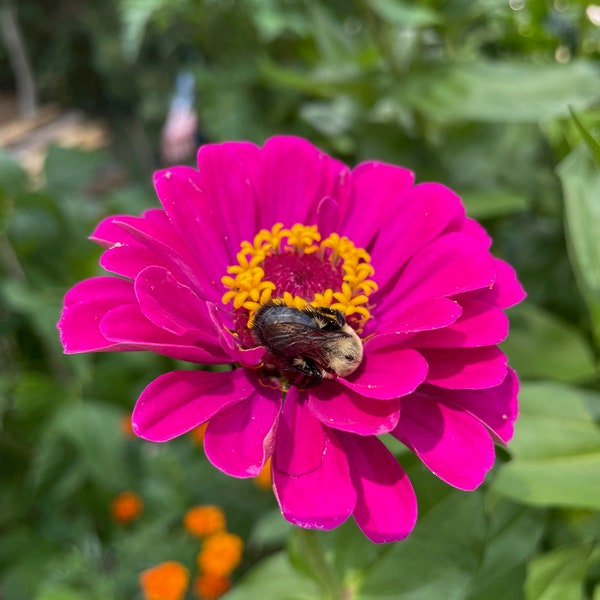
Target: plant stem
x: 324, y: 573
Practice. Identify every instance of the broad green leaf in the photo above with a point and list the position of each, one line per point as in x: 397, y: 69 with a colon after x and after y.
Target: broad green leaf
x: 513, y: 537
x: 486, y: 204
x: 502, y: 91
x: 135, y: 16
x: 274, y: 579
x: 556, y: 449
x: 540, y: 345
x: 438, y: 560
x: 559, y: 574
x: 592, y: 144
x: 580, y: 179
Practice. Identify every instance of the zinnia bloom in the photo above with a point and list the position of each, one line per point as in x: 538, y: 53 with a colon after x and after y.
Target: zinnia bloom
x: 221, y: 553
x: 394, y: 271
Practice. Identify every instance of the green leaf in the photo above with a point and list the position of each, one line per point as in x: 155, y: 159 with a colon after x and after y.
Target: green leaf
x: 403, y: 14
x: 580, y: 179
x: 542, y: 346
x: 438, y: 560
x: 592, y: 144
x: 513, y: 537
x: 274, y: 579
x: 556, y: 449
x: 486, y: 204
x: 502, y: 91
x: 135, y: 16
x: 559, y: 574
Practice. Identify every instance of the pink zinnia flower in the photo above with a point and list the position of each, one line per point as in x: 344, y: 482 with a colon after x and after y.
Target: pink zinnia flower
x: 398, y: 265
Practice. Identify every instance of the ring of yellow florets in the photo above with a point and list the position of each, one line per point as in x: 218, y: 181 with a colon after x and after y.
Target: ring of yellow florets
x: 336, y: 274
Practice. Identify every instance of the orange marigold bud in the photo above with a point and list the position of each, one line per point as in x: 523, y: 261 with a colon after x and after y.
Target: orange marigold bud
x: 263, y: 479
x: 204, y: 520
x: 210, y: 587
x: 166, y: 581
x: 198, y: 434
x: 126, y: 507
x: 221, y: 553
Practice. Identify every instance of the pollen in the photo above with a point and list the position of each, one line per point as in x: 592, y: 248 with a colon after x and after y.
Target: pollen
x: 296, y: 266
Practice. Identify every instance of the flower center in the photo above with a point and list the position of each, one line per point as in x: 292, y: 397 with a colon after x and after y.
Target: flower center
x: 311, y: 296
x: 296, y: 267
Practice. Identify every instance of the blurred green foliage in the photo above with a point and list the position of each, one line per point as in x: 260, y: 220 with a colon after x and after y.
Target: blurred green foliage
x: 498, y: 100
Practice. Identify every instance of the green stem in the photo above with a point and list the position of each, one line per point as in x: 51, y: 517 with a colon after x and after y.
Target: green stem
x: 311, y: 550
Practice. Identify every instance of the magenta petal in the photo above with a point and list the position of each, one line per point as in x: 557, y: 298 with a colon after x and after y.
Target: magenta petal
x: 178, y: 401
x: 466, y: 368
x: 374, y: 188
x: 507, y: 291
x: 453, y: 445
x: 321, y: 499
x: 426, y: 212
x: 386, y: 505
x: 481, y: 324
x: 386, y: 371
x: 300, y: 439
x: 239, y: 439
x: 432, y: 314
x: 343, y: 409
x: 292, y: 177
x: 173, y: 306
x: 450, y: 265
x: 127, y: 325
x: 85, y: 306
x: 495, y: 407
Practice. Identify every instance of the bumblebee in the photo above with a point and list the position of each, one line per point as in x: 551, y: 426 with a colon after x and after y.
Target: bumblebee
x: 307, y: 345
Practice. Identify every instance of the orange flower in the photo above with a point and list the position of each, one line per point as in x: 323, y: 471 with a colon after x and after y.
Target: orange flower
x: 126, y: 428
x: 210, y: 587
x: 166, y: 581
x: 198, y: 434
x: 126, y: 507
x: 204, y: 520
x: 263, y: 479
x: 221, y: 553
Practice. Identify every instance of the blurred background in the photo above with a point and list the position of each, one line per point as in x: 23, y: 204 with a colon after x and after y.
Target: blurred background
x: 498, y: 99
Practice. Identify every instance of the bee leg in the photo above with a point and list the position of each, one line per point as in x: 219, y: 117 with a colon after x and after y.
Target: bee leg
x: 308, y: 367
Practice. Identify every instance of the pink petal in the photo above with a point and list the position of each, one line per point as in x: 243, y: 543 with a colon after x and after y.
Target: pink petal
x: 495, y: 407
x: 375, y: 187
x: 402, y: 324
x: 450, y: 265
x: 85, y: 306
x: 173, y: 306
x: 323, y: 498
x: 348, y: 411
x: 301, y: 439
x: 481, y: 324
x: 96, y: 288
x: 426, y: 212
x: 178, y: 401
x: 452, y: 444
x: 128, y: 326
x: 507, y: 291
x: 293, y: 176
x: 386, y: 371
x: 195, y: 219
x: 477, y: 231
x: 465, y: 368
x: 386, y: 505
x: 239, y: 439
x: 226, y: 173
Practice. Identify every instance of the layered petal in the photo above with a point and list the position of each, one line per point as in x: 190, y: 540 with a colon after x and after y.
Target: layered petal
x: 346, y: 410
x: 322, y: 498
x: 179, y: 401
x: 452, y: 444
x: 386, y: 505
x: 240, y: 438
